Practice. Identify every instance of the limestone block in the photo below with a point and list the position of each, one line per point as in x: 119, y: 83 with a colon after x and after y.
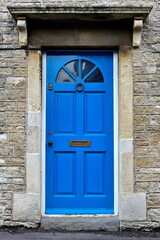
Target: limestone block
x: 13, y: 187
x: 7, y: 106
x: 126, y: 172
x: 26, y: 207
x: 33, y: 173
x: 12, y: 171
x: 126, y: 125
x: 145, y: 186
x: 155, y: 139
x: 17, y: 137
x: 16, y: 94
x: 126, y: 145
x: 133, y: 207
x: 33, y: 140
x: 144, y: 226
x: 15, y: 82
x: 34, y: 118
x: 6, y: 151
x: 19, y: 151
x: 154, y: 214
x: 21, y: 106
x: 3, y: 137
x: 34, y: 83
x: 79, y: 223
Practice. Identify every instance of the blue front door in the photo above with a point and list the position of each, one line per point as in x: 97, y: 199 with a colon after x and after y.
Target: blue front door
x: 79, y: 132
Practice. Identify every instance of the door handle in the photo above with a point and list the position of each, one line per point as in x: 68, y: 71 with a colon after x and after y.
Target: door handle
x: 50, y: 143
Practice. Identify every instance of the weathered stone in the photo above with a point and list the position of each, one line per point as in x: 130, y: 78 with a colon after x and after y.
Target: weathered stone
x: 79, y: 223
x: 15, y: 120
x: 6, y: 151
x: 3, y: 137
x: 19, y: 151
x: 141, y: 136
x: 26, y: 207
x: 16, y: 137
x: 16, y: 94
x: 16, y: 181
x: 143, y: 110
x: 20, y: 128
x: 16, y: 82
x: 15, y: 113
x: 15, y: 161
x: 154, y: 202
x: 5, y: 71
x: 133, y: 207
x: 10, y: 38
x: 143, y: 162
x: 154, y: 214
x: 146, y: 177
x: 155, y: 139
x: 145, y: 186
x: 141, y: 88
x: 33, y: 135
x: 141, y: 143
x: 34, y: 81
x: 5, y: 128
x: 19, y: 72
x: 155, y: 119
x: 149, y: 170
x: 141, y: 119
x: 21, y: 106
x: 153, y: 128
x: 7, y: 106
x: 13, y: 187
x: 151, y: 69
x: 142, y: 151
x: 138, y: 225
x: 13, y: 171
x: 33, y: 173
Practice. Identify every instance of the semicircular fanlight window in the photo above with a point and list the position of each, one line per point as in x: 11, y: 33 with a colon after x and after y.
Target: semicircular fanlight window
x: 80, y: 69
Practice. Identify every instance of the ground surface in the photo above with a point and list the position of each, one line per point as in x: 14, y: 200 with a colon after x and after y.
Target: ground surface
x: 10, y: 234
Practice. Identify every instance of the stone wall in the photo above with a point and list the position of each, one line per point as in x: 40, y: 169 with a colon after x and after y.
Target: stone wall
x: 13, y: 84
x: 146, y: 76
x: 13, y: 95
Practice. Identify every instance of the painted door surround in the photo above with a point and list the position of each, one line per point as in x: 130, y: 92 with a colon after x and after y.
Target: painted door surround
x: 79, y: 106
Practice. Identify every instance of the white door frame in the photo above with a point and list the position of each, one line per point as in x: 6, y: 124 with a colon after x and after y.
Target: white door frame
x: 43, y: 153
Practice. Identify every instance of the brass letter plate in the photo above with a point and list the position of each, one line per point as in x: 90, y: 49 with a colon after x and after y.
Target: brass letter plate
x: 80, y: 143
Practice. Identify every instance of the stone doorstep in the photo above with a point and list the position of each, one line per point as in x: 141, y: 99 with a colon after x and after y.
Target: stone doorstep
x: 80, y: 222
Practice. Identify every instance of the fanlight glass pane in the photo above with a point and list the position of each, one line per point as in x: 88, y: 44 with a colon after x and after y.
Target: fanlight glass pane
x: 63, y: 77
x: 86, y: 67
x: 95, y: 77
x: 73, y: 67
x: 70, y: 72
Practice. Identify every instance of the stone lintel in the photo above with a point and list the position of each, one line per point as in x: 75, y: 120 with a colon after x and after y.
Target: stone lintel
x: 94, y: 11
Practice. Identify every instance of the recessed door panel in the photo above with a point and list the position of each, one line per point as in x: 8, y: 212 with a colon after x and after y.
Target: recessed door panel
x: 65, y: 112
x: 79, y: 132
x: 94, y: 112
x: 64, y: 172
x: 94, y: 173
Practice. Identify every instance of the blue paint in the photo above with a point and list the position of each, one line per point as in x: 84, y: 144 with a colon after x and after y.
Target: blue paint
x: 79, y: 180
